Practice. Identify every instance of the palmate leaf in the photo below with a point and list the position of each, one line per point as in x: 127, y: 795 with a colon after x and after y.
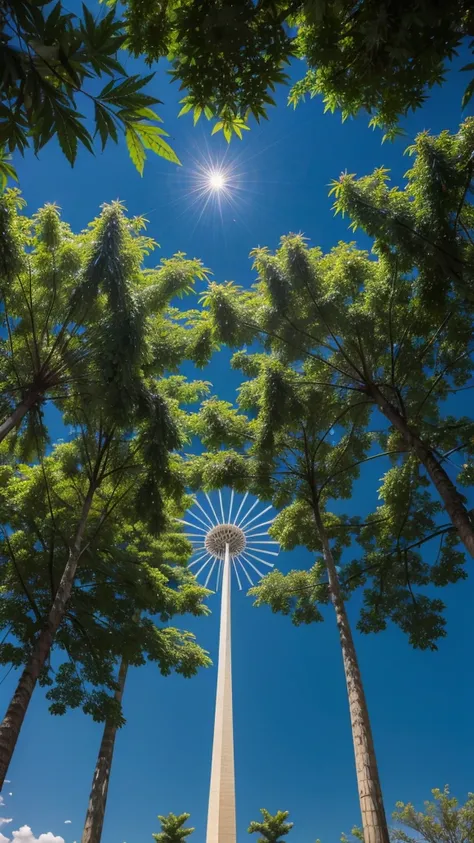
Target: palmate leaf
x: 151, y: 137
x: 230, y: 126
x: 141, y: 136
x: 66, y: 136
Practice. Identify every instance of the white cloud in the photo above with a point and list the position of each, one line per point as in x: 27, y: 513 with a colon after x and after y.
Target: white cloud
x: 25, y: 835
x: 5, y: 820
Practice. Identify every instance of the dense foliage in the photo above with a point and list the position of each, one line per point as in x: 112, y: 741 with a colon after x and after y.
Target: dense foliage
x: 126, y: 578
x: 173, y: 829
x: 272, y: 828
x: 441, y: 820
x: 227, y: 55
x: 82, y: 316
x: 86, y: 542
x: 50, y: 59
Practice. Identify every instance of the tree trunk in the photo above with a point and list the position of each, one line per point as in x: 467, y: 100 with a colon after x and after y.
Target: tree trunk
x: 13, y: 720
x: 20, y: 411
x: 452, y: 499
x: 374, y: 822
x: 100, y: 783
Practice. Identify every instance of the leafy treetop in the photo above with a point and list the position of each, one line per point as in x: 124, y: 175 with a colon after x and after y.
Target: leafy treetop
x: 272, y: 828
x: 172, y: 829
x: 442, y: 820
x: 83, y: 317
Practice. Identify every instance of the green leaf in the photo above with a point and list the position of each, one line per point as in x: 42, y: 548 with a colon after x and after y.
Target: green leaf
x: 148, y: 114
x: 67, y: 136
x: 217, y: 127
x: 186, y: 107
x: 135, y: 148
x: 197, y: 113
x: 151, y: 137
x: 105, y: 125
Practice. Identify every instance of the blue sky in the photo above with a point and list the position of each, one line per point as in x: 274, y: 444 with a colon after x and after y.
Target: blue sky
x: 292, y: 734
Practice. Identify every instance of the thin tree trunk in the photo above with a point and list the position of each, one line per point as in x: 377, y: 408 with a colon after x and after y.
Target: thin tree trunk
x: 13, y: 720
x: 100, y: 783
x: 20, y: 411
x: 452, y: 499
x: 374, y: 822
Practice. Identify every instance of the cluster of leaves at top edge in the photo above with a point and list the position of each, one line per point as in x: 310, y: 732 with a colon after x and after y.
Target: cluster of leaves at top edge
x: 50, y: 60
x: 228, y: 56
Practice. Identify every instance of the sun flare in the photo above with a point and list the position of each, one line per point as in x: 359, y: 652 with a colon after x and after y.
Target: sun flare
x: 215, y: 188
x: 217, y: 180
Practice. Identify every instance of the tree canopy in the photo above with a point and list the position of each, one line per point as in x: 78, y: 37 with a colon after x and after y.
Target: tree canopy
x: 228, y: 57
x: 173, y: 829
x: 83, y: 317
x: 127, y: 577
x: 443, y: 819
x: 272, y: 828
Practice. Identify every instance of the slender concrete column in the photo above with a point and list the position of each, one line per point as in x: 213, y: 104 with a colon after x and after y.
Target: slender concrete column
x: 221, y: 827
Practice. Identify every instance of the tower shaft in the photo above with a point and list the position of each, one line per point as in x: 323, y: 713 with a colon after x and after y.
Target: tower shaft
x: 221, y: 825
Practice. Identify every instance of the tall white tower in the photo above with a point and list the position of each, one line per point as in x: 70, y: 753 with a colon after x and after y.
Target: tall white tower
x: 221, y: 826
x: 225, y: 544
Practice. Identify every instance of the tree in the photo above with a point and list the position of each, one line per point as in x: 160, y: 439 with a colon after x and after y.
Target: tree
x: 100, y: 782
x: 359, y: 326
x: 228, y: 55
x: 92, y: 489
x: 123, y: 462
x: 273, y: 827
x: 79, y: 313
x: 442, y: 820
x: 172, y: 828
x: 50, y: 60
x: 188, y: 658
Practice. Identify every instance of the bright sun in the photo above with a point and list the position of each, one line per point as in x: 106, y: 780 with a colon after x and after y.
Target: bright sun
x: 216, y: 180
x: 214, y: 184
